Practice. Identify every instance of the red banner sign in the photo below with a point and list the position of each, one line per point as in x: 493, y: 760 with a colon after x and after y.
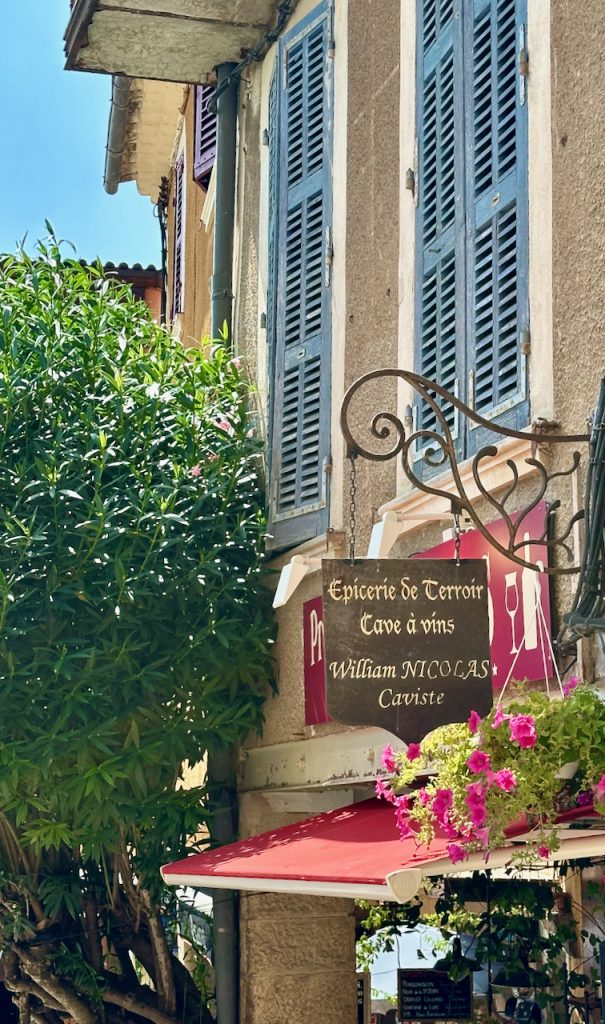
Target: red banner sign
x: 315, y: 666
x: 519, y: 599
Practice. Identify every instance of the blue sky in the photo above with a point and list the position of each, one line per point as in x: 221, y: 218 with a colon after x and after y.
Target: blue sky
x: 53, y: 130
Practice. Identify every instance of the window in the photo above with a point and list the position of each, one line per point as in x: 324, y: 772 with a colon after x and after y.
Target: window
x: 472, y: 310
x: 178, y: 262
x: 298, y: 307
x: 204, y: 139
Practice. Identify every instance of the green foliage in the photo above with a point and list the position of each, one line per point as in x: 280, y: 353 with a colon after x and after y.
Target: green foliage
x: 381, y: 926
x: 135, y: 627
x: 524, y: 926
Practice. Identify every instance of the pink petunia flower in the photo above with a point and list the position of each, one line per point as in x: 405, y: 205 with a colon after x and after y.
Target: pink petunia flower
x: 456, y: 852
x: 600, y: 788
x: 482, y: 836
x: 475, y: 801
x: 195, y: 471
x: 499, y: 717
x: 523, y: 730
x: 475, y: 793
x: 442, y: 801
x: 413, y: 752
x: 405, y: 832
x: 423, y: 797
x: 402, y: 816
x: 478, y: 762
x: 383, y: 791
x: 478, y: 814
x: 570, y: 685
x: 388, y: 758
x: 474, y: 721
x: 584, y: 798
x: 544, y: 852
x: 506, y: 780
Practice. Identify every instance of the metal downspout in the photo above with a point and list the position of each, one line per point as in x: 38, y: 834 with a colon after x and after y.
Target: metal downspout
x: 223, y: 807
x: 116, y: 132
x: 221, y: 764
x: 224, y: 206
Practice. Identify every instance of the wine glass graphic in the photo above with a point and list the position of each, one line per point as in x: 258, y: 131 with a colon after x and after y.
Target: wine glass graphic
x: 511, y: 601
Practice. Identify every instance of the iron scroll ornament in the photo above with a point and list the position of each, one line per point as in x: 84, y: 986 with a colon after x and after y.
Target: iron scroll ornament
x: 385, y: 424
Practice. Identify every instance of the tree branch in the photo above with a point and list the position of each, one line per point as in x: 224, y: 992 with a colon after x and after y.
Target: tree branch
x: 127, y: 1001
x: 15, y: 983
x: 189, y: 1001
x: 24, y: 1009
x: 91, y: 932
x: 61, y: 993
x: 164, y: 977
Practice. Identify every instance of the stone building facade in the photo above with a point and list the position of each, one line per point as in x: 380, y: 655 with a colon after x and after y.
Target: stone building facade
x: 393, y: 148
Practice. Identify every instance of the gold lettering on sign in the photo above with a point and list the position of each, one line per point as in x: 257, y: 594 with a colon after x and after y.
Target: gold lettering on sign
x: 317, y: 637
x: 379, y: 627
x: 361, y: 668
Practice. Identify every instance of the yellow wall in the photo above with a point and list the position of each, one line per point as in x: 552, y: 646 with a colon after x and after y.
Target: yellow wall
x: 194, y: 323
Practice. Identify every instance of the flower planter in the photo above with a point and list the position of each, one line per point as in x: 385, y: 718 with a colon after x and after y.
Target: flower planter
x: 471, y: 780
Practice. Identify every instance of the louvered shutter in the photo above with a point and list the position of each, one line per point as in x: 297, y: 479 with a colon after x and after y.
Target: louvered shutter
x: 178, y: 263
x: 301, y: 395
x: 273, y: 241
x: 204, y: 141
x: 497, y: 209
x: 439, y: 219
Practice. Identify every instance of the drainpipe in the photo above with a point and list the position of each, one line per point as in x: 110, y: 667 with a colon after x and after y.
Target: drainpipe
x: 224, y: 206
x: 221, y: 763
x: 116, y: 132
x: 223, y: 829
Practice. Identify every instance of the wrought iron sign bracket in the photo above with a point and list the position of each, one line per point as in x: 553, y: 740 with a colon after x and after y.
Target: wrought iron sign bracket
x: 425, y: 451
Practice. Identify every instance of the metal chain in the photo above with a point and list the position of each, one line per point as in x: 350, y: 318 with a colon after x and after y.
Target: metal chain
x: 457, y: 532
x: 352, y: 506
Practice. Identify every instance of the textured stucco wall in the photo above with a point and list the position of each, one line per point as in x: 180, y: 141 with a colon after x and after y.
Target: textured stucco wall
x: 578, y: 88
x: 372, y: 235
x: 298, y: 958
x: 578, y: 152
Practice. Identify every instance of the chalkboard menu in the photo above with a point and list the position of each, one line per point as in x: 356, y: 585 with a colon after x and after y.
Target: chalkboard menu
x: 431, y: 995
x: 406, y: 642
x: 363, y: 997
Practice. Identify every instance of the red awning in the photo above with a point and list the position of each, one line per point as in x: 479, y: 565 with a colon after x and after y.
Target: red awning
x: 356, y: 852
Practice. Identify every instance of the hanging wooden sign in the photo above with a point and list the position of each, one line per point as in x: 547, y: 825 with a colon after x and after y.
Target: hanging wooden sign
x: 406, y: 642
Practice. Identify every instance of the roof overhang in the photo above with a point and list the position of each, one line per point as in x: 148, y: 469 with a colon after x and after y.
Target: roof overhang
x: 356, y: 852
x: 143, y: 124
x: 171, y: 40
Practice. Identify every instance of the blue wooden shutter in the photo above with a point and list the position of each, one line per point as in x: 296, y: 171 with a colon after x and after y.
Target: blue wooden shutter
x: 204, y: 140
x: 273, y: 131
x: 439, y: 218
x: 301, y: 394
x: 497, y: 210
x: 178, y: 262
